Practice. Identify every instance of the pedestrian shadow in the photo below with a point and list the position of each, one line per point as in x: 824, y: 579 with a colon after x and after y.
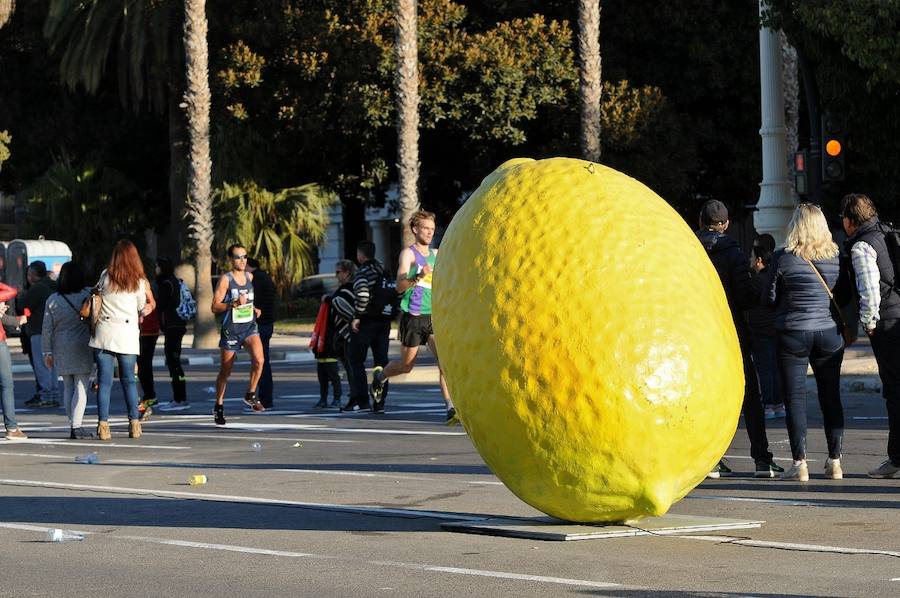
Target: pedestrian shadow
x: 71, y: 512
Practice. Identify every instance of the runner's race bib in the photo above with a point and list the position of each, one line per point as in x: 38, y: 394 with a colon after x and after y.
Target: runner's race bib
x: 242, y: 314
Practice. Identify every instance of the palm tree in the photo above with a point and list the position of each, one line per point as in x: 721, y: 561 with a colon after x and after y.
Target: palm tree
x: 197, y: 98
x: 144, y: 37
x: 6, y: 9
x: 590, y: 75
x: 280, y: 228
x: 406, y: 83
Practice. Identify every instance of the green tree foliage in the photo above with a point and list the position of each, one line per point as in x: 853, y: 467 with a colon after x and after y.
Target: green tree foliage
x: 280, y: 228
x: 5, y: 140
x: 87, y: 205
x: 853, y: 48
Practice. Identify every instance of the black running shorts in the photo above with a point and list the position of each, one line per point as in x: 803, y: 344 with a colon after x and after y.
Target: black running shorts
x: 415, y: 330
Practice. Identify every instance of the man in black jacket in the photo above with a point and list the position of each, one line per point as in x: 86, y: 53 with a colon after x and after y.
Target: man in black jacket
x: 370, y: 326
x: 733, y: 268
x: 264, y: 292
x: 879, y: 310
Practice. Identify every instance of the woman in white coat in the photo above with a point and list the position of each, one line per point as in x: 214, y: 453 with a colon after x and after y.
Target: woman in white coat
x: 126, y: 298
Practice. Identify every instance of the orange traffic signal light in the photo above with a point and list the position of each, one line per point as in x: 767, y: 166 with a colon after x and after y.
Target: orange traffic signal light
x: 833, y: 144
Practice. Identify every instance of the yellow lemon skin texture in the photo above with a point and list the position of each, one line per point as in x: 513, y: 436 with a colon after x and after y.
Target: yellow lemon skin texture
x: 586, y: 340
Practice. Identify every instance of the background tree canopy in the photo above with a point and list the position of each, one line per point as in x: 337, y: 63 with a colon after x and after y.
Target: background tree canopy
x: 302, y: 94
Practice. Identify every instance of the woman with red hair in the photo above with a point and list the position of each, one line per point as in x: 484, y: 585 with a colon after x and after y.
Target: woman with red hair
x: 126, y: 299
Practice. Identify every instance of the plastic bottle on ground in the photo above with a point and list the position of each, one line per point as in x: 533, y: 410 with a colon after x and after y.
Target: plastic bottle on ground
x: 89, y: 459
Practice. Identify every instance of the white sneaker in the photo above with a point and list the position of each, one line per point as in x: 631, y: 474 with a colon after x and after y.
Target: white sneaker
x: 799, y: 472
x: 833, y: 469
x: 174, y: 406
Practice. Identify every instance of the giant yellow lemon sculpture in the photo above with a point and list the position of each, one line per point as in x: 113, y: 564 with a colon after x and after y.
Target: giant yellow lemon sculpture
x: 586, y: 339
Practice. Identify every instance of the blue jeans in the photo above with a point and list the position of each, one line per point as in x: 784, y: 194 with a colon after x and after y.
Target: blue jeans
x: 765, y: 356
x: 106, y: 361
x: 824, y: 351
x: 6, y: 388
x: 47, y: 378
x: 264, y: 391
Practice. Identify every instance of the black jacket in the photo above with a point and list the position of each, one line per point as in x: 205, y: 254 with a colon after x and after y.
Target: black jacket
x: 800, y: 300
x: 364, y: 285
x: 733, y: 267
x: 264, y: 296
x: 871, y: 232
x: 167, y: 301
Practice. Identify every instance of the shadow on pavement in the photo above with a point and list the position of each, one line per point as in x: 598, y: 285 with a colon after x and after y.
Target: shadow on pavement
x: 74, y: 511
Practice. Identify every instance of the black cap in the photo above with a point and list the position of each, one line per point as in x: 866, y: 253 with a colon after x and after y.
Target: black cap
x: 713, y: 212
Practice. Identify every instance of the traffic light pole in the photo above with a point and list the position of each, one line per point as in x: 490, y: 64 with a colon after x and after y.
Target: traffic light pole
x: 814, y: 165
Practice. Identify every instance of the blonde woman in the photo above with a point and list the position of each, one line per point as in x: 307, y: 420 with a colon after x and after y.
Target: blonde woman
x: 808, y: 334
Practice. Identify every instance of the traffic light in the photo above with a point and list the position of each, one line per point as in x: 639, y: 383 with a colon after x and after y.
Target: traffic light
x: 832, y: 149
x: 800, y: 181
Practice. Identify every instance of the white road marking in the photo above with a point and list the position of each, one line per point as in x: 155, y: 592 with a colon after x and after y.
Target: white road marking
x: 323, y: 428
x: 77, y: 443
x: 361, y: 474
x: 254, y: 437
x: 298, y: 397
x: 774, y: 501
x: 774, y: 458
x: 376, y: 511
x: 500, y: 574
x: 290, y: 554
x: 487, y: 483
x: 879, y: 417
x: 791, y: 545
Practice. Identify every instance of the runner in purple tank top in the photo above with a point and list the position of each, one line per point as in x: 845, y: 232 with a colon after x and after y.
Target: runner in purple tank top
x: 414, y: 283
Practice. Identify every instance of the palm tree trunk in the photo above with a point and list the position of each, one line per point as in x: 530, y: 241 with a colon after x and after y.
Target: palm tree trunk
x: 590, y: 75
x: 199, y: 201
x: 407, y: 90
x: 177, y: 175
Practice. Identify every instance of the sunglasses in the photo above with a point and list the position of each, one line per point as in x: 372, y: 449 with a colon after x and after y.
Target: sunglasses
x: 239, y: 257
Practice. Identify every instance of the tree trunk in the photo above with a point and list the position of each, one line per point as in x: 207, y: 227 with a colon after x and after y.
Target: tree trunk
x: 407, y: 90
x: 199, y: 200
x: 590, y: 77
x: 175, y: 234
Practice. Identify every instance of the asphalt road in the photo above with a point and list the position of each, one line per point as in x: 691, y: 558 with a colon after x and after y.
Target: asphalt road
x: 352, y: 505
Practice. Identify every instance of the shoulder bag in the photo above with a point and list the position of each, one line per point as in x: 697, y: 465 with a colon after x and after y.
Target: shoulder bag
x: 845, y: 330
x: 90, y: 308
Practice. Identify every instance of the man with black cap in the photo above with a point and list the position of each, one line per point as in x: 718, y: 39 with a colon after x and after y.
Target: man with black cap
x: 733, y: 268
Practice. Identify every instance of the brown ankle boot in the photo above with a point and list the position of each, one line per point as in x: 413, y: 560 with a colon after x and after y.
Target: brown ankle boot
x: 134, y: 428
x: 103, y: 431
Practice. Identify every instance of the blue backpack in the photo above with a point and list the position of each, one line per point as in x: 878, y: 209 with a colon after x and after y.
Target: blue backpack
x: 187, y: 307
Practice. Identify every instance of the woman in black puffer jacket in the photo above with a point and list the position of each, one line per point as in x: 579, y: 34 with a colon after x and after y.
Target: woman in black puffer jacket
x: 808, y: 333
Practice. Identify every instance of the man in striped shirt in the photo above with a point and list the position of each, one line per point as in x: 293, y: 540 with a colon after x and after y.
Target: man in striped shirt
x: 879, y: 310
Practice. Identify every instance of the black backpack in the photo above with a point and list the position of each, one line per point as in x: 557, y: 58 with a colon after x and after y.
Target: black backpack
x: 384, y: 302
x: 892, y: 241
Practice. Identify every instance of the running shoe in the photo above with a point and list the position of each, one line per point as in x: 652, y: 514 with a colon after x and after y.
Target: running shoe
x: 719, y: 470
x: 452, y: 418
x: 219, y: 415
x: 885, y: 470
x: 376, y: 389
x: 767, y: 470
x: 251, y: 400
x: 15, y: 434
x: 34, y: 401
x: 174, y: 406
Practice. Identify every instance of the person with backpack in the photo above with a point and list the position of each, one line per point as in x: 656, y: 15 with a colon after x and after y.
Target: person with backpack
x: 374, y: 307
x: 414, y: 283
x: 172, y: 304
x: 874, y: 272
x: 65, y: 338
